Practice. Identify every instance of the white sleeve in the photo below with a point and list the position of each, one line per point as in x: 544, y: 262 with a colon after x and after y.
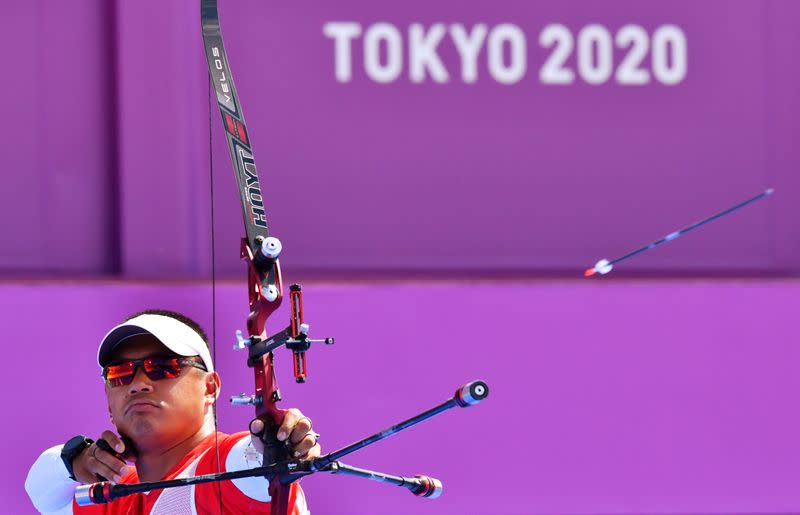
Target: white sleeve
x: 48, y: 483
x: 243, y: 455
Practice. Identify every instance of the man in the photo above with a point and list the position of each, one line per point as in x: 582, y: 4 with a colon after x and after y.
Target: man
x: 161, y: 388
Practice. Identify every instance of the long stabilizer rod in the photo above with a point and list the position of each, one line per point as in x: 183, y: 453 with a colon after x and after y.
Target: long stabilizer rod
x: 468, y: 395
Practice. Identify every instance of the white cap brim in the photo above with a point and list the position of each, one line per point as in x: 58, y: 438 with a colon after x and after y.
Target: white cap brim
x: 172, y: 333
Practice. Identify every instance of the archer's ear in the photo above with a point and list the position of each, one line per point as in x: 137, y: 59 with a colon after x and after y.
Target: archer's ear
x: 213, y: 385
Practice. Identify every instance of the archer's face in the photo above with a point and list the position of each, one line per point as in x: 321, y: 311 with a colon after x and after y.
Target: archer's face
x: 157, y: 413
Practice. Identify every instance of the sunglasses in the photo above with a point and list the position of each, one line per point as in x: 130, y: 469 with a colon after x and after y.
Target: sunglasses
x: 123, y: 372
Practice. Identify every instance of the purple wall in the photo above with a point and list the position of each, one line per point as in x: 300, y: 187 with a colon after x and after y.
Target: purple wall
x: 385, y: 177
x: 607, y: 397
x: 58, y: 160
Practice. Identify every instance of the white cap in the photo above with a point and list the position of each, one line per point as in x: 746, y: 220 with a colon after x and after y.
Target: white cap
x: 174, y: 334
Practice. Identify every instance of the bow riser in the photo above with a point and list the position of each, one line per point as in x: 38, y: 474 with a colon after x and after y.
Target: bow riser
x: 265, y: 288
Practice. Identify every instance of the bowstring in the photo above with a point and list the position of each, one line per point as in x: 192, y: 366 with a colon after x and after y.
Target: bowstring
x: 213, y: 281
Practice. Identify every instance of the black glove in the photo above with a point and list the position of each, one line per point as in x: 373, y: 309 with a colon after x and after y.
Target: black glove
x: 73, y: 448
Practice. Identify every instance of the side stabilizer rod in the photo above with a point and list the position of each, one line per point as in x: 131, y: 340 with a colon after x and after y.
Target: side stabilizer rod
x: 419, y: 485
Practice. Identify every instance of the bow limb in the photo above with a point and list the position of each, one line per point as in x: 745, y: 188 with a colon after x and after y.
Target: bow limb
x: 258, y: 250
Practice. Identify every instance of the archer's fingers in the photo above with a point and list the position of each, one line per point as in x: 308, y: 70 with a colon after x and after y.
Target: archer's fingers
x: 291, y: 420
x: 256, y: 426
x: 114, y: 441
x: 99, y: 468
x: 314, y: 452
x: 88, y: 464
x: 257, y: 432
x: 105, y: 463
x: 302, y: 431
x: 307, y: 447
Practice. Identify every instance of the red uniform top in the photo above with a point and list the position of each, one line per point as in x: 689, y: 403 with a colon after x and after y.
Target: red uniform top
x: 202, y: 498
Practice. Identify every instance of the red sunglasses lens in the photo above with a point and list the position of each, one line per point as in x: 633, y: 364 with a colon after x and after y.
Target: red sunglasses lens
x: 162, y: 368
x: 122, y: 374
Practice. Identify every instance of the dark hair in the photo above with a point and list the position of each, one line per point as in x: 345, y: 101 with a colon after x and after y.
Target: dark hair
x: 177, y: 316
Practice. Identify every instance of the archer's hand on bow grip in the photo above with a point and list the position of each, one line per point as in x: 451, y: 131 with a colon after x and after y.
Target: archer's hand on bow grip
x: 295, y: 436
